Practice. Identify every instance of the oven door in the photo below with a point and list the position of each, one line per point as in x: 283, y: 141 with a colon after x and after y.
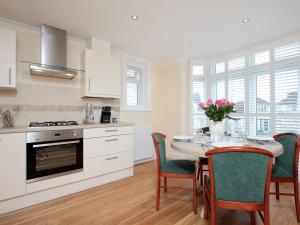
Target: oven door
x: 50, y: 159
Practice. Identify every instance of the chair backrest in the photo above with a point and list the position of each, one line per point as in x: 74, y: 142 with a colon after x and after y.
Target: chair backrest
x: 240, y: 174
x: 289, y: 160
x: 160, y: 148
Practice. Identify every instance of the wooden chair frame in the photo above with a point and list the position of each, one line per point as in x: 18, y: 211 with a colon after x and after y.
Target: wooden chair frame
x: 293, y: 179
x: 209, y: 196
x: 166, y: 175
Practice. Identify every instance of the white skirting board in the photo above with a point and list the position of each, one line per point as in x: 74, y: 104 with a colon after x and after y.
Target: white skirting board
x: 143, y: 144
x: 57, y: 192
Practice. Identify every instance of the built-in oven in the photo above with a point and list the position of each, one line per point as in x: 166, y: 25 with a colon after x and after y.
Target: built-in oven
x: 52, y: 153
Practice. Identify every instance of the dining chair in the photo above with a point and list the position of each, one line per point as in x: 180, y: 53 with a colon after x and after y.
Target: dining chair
x: 179, y: 169
x: 285, y: 169
x: 239, y: 179
x: 202, y: 161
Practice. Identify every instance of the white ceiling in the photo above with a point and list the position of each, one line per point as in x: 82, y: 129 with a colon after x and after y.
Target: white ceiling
x: 164, y: 27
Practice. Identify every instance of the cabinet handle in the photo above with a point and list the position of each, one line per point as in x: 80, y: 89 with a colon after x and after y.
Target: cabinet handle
x: 89, y: 84
x: 108, y: 140
x: 9, y: 75
x: 111, y: 130
x: 116, y: 157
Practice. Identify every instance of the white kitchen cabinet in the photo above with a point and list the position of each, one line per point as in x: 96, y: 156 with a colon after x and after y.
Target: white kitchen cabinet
x: 106, y: 154
x: 7, y: 58
x: 102, y: 74
x: 107, y: 145
x: 107, y: 164
x: 12, y: 165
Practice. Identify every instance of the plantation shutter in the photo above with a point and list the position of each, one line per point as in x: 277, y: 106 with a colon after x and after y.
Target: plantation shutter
x: 134, y: 86
x: 198, y: 96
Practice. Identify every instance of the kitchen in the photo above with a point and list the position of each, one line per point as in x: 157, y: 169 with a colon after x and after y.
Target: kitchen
x: 96, y: 96
x: 60, y: 155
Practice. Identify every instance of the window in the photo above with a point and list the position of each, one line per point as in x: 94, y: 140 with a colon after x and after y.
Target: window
x: 135, y: 84
x: 287, y: 51
x: 198, y: 96
x: 262, y: 57
x: 266, y: 92
x: 238, y: 63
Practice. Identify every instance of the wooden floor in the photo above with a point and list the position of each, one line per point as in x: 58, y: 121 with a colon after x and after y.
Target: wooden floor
x: 132, y: 201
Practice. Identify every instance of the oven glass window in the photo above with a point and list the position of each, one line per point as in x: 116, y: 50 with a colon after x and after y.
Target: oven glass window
x: 51, y: 157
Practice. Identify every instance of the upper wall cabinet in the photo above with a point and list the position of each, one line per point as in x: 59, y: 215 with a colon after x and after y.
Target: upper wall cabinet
x: 7, y: 58
x: 102, y: 75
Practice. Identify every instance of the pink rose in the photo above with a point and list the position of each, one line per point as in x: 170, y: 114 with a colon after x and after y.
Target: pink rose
x: 227, y: 102
x: 219, y: 102
x: 202, y: 105
x: 224, y: 101
x: 209, y: 102
x: 232, y: 103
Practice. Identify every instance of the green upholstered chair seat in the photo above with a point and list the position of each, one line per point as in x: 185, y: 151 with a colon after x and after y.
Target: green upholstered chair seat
x: 178, y: 166
x: 278, y: 171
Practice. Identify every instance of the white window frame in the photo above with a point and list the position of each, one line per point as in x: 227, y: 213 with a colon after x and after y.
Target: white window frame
x: 270, y: 67
x: 206, y: 91
x: 142, y: 64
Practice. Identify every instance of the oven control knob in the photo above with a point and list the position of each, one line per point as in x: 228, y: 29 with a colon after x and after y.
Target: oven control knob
x: 74, y: 133
x: 37, y: 138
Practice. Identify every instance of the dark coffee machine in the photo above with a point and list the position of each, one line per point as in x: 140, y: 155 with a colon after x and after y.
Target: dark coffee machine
x: 105, y: 114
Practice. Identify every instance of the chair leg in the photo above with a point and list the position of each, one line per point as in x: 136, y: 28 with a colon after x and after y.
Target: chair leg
x: 277, y: 190
x: 267, y: 216
x: 253, y: 220
x: 205, y: 202
x: 212, y: 214
x: 195, y: 193
x: 158, y: 193
x: 165, y: 184
x: 199, y: 170
x: 296, y: 192
x: 201, y: 175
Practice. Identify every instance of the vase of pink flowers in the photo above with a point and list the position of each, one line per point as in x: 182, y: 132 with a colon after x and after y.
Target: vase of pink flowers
x: 217, y: 111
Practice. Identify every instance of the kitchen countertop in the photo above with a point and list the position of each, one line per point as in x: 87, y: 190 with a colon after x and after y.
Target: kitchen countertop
x: 20, y: 129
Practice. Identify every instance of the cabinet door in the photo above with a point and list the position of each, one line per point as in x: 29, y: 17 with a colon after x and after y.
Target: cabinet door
x: 7, y: 58
x: 103, y: 74
x: 12, y: 165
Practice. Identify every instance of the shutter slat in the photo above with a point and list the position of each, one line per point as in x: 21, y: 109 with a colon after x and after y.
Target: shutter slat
x: 287, y: 51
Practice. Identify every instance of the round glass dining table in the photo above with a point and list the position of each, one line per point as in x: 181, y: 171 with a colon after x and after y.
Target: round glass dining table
x: 196, y: 148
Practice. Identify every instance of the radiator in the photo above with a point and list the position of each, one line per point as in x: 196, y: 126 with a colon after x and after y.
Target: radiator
x: 143, y: 144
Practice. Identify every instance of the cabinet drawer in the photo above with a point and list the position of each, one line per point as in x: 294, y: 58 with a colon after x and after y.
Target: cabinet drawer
x: 107, y: 145
x: 106, y: 132
x: 107, y: 164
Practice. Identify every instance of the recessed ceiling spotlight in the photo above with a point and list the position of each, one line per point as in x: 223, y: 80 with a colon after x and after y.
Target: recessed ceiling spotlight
x: 246, y: 20
x: 134, y: 17
x: 192, y: 44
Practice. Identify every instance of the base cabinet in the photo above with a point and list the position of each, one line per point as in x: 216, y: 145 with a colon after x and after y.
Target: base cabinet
x: 107, y: 164
x: 107, y: 152
x: 12, y: 165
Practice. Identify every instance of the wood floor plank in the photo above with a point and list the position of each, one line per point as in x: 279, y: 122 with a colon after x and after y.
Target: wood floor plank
x: 132, y: 202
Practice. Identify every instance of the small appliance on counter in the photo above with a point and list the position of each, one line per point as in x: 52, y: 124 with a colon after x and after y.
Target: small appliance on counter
x: 105, y: 114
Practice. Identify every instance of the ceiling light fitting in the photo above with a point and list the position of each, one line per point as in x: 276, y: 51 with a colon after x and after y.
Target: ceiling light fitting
x: 245, y: 20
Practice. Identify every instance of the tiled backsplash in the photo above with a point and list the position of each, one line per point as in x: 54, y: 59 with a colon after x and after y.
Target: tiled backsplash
x: 52, y: 103
x: 52, y: 108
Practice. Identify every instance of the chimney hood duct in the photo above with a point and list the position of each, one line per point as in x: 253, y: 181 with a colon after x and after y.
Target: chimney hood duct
x: 54, y: 48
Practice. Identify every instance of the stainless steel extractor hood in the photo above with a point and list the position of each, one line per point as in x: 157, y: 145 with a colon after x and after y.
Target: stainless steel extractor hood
x: 53, y: 57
